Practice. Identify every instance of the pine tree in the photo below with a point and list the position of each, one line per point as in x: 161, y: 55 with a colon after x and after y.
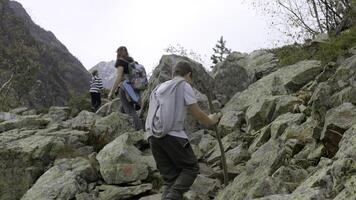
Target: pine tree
x: 220, y: 51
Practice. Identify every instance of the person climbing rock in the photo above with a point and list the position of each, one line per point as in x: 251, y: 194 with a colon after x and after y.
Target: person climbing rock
x: 168, y: 106
x: 96, y: 85
x: 123, y: 74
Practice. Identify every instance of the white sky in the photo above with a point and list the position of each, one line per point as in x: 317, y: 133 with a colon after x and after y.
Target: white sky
x: 92, y: 30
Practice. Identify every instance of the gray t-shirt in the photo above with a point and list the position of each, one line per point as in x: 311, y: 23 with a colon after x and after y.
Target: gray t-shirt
x: 189, y: 99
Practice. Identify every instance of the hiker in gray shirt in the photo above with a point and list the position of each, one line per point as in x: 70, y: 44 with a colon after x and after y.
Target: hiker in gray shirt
x: 175, y: 159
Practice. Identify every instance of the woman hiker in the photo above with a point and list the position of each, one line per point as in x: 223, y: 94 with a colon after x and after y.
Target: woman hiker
x: 122, y: 73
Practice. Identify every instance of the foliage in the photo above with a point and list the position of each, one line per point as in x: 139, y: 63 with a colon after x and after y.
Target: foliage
x: 301, y: 19
x: 182, y: 51
x: 336, y: 46
x: 220, y: 51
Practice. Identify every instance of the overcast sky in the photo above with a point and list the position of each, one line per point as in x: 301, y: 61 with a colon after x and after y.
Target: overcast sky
x: 93, y: 29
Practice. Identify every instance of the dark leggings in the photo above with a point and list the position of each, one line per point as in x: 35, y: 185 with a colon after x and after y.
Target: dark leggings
x: 176, y: 163
x: 130, y: 109
x: 95, y: 100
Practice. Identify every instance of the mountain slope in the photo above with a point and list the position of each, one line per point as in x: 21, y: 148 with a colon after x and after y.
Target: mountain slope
x: 36, y: 69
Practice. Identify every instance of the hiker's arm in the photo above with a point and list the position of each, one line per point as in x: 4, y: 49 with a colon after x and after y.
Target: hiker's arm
x: 119, y: 75
x: 195, y: 110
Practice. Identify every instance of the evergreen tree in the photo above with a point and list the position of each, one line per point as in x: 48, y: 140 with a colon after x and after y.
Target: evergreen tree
x: 220, y: 51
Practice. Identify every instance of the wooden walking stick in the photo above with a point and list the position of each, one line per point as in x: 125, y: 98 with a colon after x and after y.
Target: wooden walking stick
x: 222, y: 151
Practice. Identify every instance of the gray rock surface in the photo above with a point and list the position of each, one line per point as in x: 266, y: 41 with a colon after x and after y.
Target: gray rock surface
x: 63, y: 181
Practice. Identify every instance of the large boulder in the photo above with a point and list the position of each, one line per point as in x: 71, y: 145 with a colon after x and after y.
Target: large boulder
x: 109, y: 107
x: 250, y: 183
x: 347, y: 145
x: 63, y: 181
x: 28, y: 122
x: 121, y: 162
x: 331, y: 179
x: 85, y: 120
x: 106, y: 129
x: 25, y: 155
x: 283, y: 121
x: 337, y: 121
x: 291, y: 78
x: 239, y: 70
x: 203, y: 188
x: 202, y: 81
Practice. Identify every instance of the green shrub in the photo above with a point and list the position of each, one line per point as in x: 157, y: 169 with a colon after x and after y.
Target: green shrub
x: 337, y: 45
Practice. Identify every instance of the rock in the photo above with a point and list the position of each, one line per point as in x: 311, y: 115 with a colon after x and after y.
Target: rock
x: 84, y: 121
x: 203, y: 188
x: 328, y: 71
x: 30, y: 112
x: 228, y: 142
x: 237, y: 155
x: 196, y: 137
x: 344, y: 75
x: 275, y: 197
x: 261, y: 113
x: 344, y: 96
x: 230, y: 78
x: 320, y: 101
x: 318, y: 152
x: 110, y: 107
x: 337, y: 121
x: 292, y: 78
x: 290, y: 177
x: 106, y: 129
x: 347, y: 145
x: 207, y: 142
x: 283, y: 121
x: 121, y: 162
x: 5, y: 116
x: 152, y: 197
x: 267, y: 186
x: 231, y: 121
x: 18, y: 111
x: 58, y: 114
x: 353, y: 50
x: 326, y: 182
x: 111, y: 192
x: 285, y: 104
x: 305, y: 133
x: 63, y: 181
x: 265, y: 161
x: 203, y: 82
x: 29, y: 122
x: 349, y: 191
x: 262, y: 136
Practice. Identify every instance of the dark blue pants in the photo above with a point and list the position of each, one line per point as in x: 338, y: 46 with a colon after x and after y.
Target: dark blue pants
x: 176, y: 163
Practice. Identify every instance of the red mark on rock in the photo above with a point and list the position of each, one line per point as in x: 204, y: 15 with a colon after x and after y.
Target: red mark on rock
x: 127, y: 169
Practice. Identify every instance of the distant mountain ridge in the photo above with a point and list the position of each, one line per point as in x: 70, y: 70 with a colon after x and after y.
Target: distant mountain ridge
x: 36, y: 69
x: 107, y: 72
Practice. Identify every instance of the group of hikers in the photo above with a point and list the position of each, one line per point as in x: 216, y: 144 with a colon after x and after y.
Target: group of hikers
x: 168, y: 106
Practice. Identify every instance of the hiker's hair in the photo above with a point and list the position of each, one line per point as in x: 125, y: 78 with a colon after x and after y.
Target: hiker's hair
x: 122, y: 52
x: 182, y: 68
x: 94, y: 73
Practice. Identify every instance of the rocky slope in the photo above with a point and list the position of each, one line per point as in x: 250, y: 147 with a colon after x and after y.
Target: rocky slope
x: 40, y: 71
x: 107, y: 72
x: 290, y: 134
